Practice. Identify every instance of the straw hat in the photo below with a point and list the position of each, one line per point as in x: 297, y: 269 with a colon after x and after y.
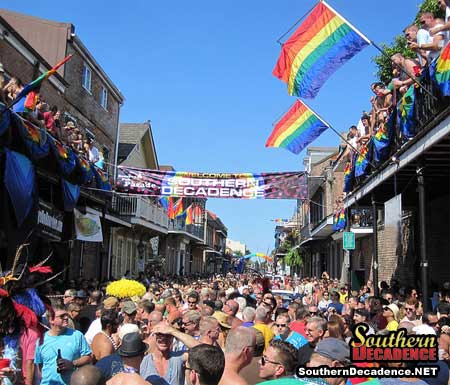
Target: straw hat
x: 221, y: 317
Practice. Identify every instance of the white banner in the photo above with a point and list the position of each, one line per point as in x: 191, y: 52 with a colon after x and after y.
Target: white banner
x: 88, y: 227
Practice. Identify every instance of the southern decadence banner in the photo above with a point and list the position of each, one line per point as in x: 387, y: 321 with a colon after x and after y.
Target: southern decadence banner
x: 270, y: 185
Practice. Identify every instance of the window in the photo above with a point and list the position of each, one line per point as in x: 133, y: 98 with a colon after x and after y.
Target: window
x: 104, y: 98
x: 87, y: 78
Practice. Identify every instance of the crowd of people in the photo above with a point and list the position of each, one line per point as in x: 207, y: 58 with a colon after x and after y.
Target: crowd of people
x: 223, y: 330
x: 427, y: 42
x: 36, y: 110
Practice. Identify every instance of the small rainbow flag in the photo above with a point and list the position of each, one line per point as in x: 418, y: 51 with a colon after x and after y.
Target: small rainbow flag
x: 442, y: 71
x: 348, y: 177
x: 363, y: 159
x: 406, y: 118
x: 189, y: 215
x: 341, y: 220
x: 296, y: 129
x: 382, y: 139
x: 35, y: 84
x: 320, y: 45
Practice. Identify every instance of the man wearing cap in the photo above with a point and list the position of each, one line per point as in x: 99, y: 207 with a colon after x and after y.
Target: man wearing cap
x: 129, y: 311
x: 127, y: 359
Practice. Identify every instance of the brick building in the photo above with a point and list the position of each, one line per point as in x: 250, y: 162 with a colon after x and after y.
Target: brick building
x: 84, y: 95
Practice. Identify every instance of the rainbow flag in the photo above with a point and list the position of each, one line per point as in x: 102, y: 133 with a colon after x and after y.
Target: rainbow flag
x: 382, y: 139
x: 363, y: 159
x: 406, y: 120
x: 296, y: 129
x: 197, y: 214
x: 440, y: 71
x: 341, y: 220
x: 189, y: 215
x: 349, y: 177
x: 335, y: 221
x: 175, y: 209
x: 320, y: 45
x: 35, y: 84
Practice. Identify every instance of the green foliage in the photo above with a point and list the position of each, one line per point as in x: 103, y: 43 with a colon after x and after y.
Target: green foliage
x: 238, y: 253
x: 383, y: 61
x: 399, y: 45
x: 293, y: 258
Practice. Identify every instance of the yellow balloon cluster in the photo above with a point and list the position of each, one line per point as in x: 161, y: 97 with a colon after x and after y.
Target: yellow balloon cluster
x: 124, y: 288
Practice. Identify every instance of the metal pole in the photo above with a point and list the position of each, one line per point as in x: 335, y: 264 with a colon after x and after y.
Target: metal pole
x: 375, y: 246
x: 422, y: 233
x: 348, y: 254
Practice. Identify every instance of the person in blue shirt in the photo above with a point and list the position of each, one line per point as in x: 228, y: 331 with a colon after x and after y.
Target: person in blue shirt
x: 62, y: 350
x: 284, y: 333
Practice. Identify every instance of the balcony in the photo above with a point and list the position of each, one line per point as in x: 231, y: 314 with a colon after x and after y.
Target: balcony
x: 194, y: 231
x: 141, y: 211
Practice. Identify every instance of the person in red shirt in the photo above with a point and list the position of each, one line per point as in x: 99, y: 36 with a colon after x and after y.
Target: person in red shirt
x: 49, y: 120
x: 299, y: 325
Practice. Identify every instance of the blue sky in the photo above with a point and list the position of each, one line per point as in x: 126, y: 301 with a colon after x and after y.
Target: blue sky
x: 201, y: 71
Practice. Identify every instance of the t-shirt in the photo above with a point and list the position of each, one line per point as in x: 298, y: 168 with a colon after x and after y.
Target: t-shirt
x: 305, y: 353
x: 295, y: 339
x: 338, y: 306
x: 442, y: 376
x: 94, y: 329
x: 299, y: 327
x: 28, y: 341
x: 173, y: 376
x: 392, y: 326
x: 72, y: 344
x: 266, y: 332
x: 292, y: 381
x: 110, y: 365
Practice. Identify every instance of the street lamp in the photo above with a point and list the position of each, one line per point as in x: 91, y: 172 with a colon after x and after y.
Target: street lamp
x: 141, y: 249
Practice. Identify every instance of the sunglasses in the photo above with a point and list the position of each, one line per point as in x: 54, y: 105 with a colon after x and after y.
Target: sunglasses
x: 192, y: 302
x: 280, y: 325
x: 410, y: 309
x: 264, y: 360
x: 187, y: 323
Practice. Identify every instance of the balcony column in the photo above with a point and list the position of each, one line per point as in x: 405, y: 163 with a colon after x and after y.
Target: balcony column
x: 422, y: 237
x: 375, y: 247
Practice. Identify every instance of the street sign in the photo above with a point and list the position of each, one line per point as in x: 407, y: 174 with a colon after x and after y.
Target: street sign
x: 349, y: 240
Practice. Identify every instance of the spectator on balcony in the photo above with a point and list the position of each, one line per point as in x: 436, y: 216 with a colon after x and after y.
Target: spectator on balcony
x: 91, y: 151
x: 382, y: 102
x: 49, y: 120
x: 407, y: 69
x: 12, y: 88
x: 432, y: 44
x: 415, y: 35
x: 365, y: 130
x: 445, y: 6
x: 66, y: 132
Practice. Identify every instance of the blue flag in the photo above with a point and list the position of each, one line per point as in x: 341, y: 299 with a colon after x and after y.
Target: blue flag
x: 19, y: 181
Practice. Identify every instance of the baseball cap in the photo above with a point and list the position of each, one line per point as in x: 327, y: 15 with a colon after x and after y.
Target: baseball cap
x: 129, y: 307
x: 334, y: 349
x: 81, y: 294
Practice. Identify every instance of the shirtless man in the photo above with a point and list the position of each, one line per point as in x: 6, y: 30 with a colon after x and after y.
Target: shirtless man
x: 103, y: 343
x: 239, y: 349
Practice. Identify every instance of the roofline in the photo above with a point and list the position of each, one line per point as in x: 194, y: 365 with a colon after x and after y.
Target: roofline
x: 27, y: 45
x: 153, y: 143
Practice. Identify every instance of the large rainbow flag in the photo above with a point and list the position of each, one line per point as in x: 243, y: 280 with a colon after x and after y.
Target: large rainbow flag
x: 297, y: 129
x: 363, y: 159
x: 320, y: 45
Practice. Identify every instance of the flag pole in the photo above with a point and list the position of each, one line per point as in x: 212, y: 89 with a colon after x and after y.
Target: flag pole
x: 294, y: 25
x: 371, y: 42
x: 336, y: 132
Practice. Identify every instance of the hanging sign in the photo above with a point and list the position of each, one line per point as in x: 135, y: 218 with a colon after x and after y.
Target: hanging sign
x: 272, y: 185
x: 88, y: 227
